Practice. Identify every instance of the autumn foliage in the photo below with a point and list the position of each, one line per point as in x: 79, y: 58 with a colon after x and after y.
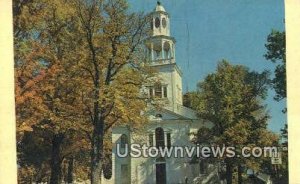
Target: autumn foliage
x: 79, y: 71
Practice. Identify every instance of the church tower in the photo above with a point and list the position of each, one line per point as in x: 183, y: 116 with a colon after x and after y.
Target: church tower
x: 160, y: 51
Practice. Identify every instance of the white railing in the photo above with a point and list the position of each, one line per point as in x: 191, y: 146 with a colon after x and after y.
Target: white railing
x: 162, y: 61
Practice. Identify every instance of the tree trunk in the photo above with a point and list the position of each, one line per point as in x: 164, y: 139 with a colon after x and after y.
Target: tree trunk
x: 38, y: 177
x: 56, y: 159
x: 228, y: 172
x: 97, y: 152
x: 240, y: 178
x: 70, y: 170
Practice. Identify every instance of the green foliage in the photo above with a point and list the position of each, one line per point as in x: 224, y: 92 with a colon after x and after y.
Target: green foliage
x: 231, y: 95
x: 276, y: 52
x: 33, y: 157
x: 188, y: 99
x: 204, y: 136
x: 232, y: 99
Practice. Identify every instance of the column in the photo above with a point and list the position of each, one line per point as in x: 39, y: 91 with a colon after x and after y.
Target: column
x: 162, y: 50
x: 173, y: 51
x: 154, y: 138
x: 152, y: 52
x: 166, y: 140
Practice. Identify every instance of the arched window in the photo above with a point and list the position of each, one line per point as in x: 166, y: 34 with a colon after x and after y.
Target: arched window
x: 164, y: 22
x: 158, y: 116
x: 169, y: 140
x: 167, y: 50
x: 157, y: 52
x: 159, y: 137
x: 157, y: 22
x: 124, y: 140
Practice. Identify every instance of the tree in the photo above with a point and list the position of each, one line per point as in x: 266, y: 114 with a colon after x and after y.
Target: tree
x: 26, y: 21
x: 35, y: 156
x: 34, y: 168
x: 231, y: 98
x: 111, y: 71
x: 43, y: 47
x: 80, y: 69
x: 276, y: 53
x: 188, y: 99
x: 284, y: 168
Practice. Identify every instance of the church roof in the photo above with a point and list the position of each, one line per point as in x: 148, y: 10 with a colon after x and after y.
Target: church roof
x: 176, y: 111
x: 182, y: 111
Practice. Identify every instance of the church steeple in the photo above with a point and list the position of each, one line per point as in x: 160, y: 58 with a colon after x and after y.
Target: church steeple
x: 160, y: 51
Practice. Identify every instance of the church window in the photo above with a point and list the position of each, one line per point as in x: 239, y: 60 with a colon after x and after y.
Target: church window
x: 158, y: 116
x: 159, y: 137
x: 165, y: 91
x: 151, y: 91
x: 157, y: 22
x: 157, y: 54
x: 158, y: 91
x: 164, y: 22
x: 168, y: 140
x: 124, y: 141
x: 168, y: 55
x: 167, y: 50
x: 150, y: 140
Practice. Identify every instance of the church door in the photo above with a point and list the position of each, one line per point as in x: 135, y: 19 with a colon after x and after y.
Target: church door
x: 161, y: 173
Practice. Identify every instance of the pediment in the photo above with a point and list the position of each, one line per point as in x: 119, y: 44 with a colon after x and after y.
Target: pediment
x: 166, y: 114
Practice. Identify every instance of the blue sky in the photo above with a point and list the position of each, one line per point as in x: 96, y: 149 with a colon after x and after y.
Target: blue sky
x: 208, y: 31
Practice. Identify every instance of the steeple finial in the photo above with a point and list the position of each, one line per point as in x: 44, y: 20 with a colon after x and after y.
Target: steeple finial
x: 159, y: 7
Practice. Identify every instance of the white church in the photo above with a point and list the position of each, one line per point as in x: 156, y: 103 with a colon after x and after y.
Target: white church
x: 170, y: 126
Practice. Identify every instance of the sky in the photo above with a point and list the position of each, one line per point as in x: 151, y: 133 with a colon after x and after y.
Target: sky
x: 207, y: 31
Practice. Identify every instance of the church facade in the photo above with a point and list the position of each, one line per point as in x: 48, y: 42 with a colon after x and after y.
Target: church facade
x: 170, y: 126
